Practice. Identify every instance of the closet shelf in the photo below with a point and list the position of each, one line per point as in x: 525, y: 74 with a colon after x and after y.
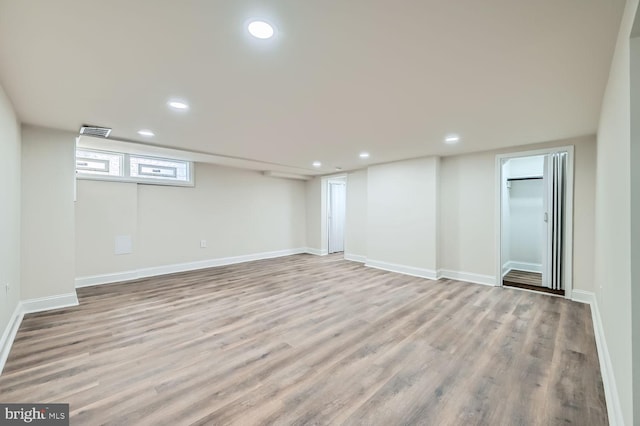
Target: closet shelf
x: 524, y: 178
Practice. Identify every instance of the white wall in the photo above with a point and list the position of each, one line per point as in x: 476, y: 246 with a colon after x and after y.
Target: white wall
x: 530, y: 166
x: 635, y: 211
x: 399, y: 199
x: 522, y: 214
x: 238, y: 212
x: 103, y: 211
x: 612, y: 240
x: 584, y: 195
x: 402, y: 213
x: 48, y: 249
x: 526, y: 225
x: 467, y: 211
x: 10, y: 158
x: 314, y: 206
x: 355, y: 242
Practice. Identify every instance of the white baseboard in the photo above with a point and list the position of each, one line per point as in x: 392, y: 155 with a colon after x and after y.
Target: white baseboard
x: 583, y: 296
x: 181, y: 267
x: 468, y: 277
x: 51, y: 302
x: 505, y: 269
x: 316, y: 251
x: 355, y: 257
x: 10, y: 334
x: 27, y: 307
x: 402, y: 269
x: 614, y: 410
x: 522, y: 266
x: 425, y: 273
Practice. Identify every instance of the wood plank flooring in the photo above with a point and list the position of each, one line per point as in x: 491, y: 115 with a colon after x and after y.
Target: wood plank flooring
x: 528, y: 281
x: 523, y: 277
x: 310, y: 340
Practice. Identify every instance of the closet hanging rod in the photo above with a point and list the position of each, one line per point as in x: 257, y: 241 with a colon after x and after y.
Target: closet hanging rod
x: 525, y: 178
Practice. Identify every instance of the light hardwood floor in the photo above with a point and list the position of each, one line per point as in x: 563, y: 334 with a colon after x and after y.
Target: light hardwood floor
x: 310, y: 340
x: 523, y: 277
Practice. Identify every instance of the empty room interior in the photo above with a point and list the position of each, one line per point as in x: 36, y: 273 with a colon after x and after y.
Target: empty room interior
x: 371, y: 213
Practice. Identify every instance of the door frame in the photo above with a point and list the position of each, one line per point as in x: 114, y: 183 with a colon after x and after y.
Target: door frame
x: 330, y: 182
x: 324, y: 206
x: 568, y: 222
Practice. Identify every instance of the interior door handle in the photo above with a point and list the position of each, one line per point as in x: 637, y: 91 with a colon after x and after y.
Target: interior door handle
x: 546, y: 217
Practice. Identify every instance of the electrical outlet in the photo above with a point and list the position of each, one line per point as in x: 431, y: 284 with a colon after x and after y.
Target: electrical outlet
x: 203, y: 243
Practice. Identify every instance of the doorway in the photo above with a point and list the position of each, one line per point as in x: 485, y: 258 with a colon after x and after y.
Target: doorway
x: 336, y: 214
x: 534, y: 220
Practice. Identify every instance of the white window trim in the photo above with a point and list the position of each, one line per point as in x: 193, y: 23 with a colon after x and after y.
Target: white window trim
x: 126, y: 178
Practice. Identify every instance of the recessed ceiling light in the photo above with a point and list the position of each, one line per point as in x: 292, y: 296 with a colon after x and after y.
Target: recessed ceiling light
x: 452, y: 139
x: 260, y: 29
x: 364, y: 155
x: 146, y: 132
x: 317, y: 164
x: 178, y: 105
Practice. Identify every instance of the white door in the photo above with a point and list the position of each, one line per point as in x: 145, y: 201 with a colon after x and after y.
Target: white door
x: 337, y: 204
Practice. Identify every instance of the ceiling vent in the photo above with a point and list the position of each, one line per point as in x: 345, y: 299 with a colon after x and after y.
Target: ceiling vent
x: 98, y: 132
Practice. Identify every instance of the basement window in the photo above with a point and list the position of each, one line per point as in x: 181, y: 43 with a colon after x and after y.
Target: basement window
x: 97, y: 163
x: 123, y: 167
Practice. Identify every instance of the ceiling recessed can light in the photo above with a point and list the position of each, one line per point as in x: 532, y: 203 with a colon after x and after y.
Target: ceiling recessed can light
x: 260, y: 29
x: 364, y: 155
x: 178, y: 105
x: 146, y: 132
x: 317, y: 164
x: 452, y: 139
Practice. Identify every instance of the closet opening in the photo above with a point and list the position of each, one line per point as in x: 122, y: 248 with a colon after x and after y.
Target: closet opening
x: 535, y: 220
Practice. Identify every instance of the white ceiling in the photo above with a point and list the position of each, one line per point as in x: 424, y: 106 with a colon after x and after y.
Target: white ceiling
x: 340, y: 77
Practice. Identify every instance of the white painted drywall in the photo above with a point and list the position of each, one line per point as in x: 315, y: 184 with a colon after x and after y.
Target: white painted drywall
x: 530, y: 166
x: 314, y: 205
x: 467, y: 210
x: 402, y: 213
x: 612, y: 240
x: 105, y: 210
x: 355, y: 241
x: 584, y: 195
x: 467, y: 213
x: 522, y: 214
x: 48, y: 247
x: 238, y: 212
x: 635, y: 211
x: 10, y: 160
x: 526, y: 228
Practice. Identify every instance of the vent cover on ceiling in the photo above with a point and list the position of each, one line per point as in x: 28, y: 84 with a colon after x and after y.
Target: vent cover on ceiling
x: 99, y: 132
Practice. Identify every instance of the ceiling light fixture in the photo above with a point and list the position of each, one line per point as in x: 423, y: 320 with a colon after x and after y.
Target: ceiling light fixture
x: 180, y: 105
x: 260, y: 29
x: 317, y: 164
x: 145, y: 132
x: 452, y: 139
x: 364, y: 155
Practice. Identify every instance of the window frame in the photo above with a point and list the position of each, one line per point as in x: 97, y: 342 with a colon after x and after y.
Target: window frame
x: 125, y: 167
